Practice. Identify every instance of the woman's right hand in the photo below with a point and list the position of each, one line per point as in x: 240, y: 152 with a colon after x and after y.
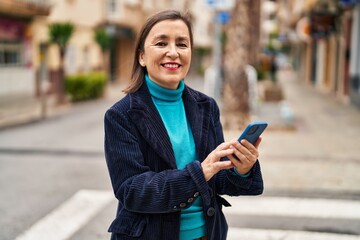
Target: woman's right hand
x: 212, y: 164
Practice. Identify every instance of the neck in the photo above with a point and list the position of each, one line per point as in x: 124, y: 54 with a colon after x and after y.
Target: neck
x: 162, y: 93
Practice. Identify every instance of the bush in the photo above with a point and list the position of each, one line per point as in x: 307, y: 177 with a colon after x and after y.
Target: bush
x: 261, y: 74
x: 82, y: 87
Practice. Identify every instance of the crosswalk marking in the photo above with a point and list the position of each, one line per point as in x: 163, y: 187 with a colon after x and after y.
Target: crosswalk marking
x: 73, y: 214
x: 69, y: 217
x: 262, y: 234
x: 294, y: 207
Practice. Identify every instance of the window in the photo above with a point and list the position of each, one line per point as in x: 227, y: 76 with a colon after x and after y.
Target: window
x: 70, y: 59
x: 86, y: 59
x: 10, y: 54
x: 111, y: 6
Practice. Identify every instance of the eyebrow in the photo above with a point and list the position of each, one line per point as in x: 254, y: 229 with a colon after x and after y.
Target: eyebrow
x: 164, y: 36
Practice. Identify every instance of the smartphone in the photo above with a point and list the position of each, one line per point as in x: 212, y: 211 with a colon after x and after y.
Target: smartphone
x: 253, y: 131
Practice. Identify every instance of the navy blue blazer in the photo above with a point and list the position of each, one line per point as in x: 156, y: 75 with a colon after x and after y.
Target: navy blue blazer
x: 150, y: 189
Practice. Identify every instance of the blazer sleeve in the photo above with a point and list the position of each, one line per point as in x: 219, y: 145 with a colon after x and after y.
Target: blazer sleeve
x: 137, y: 187
x: 227, y: 181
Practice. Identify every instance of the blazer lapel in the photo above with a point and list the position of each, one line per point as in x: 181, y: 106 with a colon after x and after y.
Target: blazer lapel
x: 198, y: 115
x: 148, y: 120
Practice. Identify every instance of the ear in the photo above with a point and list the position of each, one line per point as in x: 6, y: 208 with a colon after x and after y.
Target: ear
x: 141, y: 59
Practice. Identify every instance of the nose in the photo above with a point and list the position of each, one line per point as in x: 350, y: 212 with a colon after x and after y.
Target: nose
x: 172, y: 51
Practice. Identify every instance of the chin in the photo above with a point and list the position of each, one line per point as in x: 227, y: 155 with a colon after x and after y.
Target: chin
x: 175, y: 78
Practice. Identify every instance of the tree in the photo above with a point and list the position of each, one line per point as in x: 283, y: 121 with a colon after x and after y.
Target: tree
x: 60, y: 34
x: 241, y: 48
x: 104, y: 41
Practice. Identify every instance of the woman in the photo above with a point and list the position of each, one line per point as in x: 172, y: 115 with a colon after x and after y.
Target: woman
x: 164, y: 145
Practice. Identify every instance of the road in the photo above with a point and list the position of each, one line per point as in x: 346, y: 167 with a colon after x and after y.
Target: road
x: 54, y: 185
x: 45, y: 163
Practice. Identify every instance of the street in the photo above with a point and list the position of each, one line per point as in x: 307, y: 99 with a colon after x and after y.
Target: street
x: 55, y: 185
x: 45, y: 163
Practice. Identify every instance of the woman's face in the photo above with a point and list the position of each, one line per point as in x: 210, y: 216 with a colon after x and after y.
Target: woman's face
x: 167, y: 53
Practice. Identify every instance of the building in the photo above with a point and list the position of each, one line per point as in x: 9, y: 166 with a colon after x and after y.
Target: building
x: 122, y: 20
x: 325, y: 38
x: 354, y: 70
x: 29, y: 62
x: 18, y: 45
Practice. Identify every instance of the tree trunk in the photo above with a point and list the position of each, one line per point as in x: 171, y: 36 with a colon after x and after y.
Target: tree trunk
x: 60, y: 81
x: 241, y: 49
x: 106, y: 62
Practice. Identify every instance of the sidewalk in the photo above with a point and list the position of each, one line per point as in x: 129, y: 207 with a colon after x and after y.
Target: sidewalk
x: 20, y: 109
x: 322, y: 155
x: 24, y: 109
x: 318, y: 154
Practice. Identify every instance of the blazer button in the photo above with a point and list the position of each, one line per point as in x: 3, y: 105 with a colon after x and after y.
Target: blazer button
x: 211, y: 212
x: 182, y: 205
x: 196, y: 194
x: 190, y: 200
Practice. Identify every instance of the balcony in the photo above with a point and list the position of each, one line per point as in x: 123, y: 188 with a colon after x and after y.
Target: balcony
x: 25, y: 8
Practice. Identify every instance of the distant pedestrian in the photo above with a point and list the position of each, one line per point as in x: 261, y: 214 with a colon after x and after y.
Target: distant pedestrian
x: 165, y: 149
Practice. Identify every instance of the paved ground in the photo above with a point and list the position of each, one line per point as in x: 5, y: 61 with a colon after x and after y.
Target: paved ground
x: 320, y: 154
x: 323, y: 153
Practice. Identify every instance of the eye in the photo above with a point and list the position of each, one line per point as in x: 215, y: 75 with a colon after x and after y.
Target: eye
x: 182, y: 45
x: 161, y: 44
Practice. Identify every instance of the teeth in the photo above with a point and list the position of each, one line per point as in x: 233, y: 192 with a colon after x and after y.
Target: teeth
x: 171, y: 65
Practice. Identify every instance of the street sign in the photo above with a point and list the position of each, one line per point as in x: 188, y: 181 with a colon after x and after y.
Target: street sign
x: 223, y: 17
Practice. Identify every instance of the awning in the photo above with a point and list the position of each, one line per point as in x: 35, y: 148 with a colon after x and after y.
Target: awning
x: 24, y: 9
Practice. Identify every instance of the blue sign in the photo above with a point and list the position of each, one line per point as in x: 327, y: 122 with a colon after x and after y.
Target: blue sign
x: 223, y: 17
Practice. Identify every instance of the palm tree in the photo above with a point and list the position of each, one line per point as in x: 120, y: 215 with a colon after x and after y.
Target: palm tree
x: 60, y: 34
x: 241, y: 48
x: 104, y: 41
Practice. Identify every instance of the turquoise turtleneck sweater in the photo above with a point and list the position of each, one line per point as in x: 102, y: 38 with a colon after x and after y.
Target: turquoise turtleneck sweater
x: 170, y: 105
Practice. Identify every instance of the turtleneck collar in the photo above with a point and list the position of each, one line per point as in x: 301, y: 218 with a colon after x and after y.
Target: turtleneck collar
x: 162, y: 93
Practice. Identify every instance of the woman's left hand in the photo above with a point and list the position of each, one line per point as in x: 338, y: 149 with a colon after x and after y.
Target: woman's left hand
x: 246, y: 154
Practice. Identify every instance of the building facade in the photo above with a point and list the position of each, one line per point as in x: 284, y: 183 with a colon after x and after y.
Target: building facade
x: 18, y: 44
x: 28, y: 61
x: 325, y: 39
x: 354, y: 69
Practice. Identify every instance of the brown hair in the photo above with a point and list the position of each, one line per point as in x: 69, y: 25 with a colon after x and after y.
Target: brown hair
x: 138, y: 71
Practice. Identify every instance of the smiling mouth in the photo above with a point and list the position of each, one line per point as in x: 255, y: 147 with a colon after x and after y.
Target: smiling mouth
x: 171, y: 66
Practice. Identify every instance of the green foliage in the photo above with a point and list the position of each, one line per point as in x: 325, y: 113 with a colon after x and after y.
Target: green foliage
x: 261, y: 73
x: 102, y: 38
x: 202, y: 51
x: 60, y: 33
x: 82, y: 87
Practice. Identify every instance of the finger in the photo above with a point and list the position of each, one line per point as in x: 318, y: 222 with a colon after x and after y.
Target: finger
x: 235, y: 161
x: 249, y: 154
x: 226, y: 145
x: 234, y: 157
x: 238, y: 154
x: 223, y: 165
x: 257, y: 143
x: 222, y: 153
x: 249, y: 147
x: 246, y: 143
